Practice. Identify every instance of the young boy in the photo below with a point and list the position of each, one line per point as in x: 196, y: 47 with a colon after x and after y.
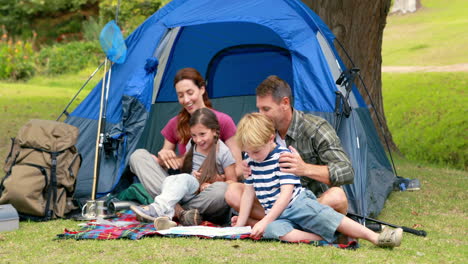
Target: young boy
x: 292, y: 213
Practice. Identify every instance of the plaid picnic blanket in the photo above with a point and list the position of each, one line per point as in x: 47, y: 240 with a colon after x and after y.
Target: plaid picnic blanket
x: 125, y: 225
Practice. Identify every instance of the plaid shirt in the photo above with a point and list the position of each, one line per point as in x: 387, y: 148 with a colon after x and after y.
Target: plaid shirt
x: 317, y: 143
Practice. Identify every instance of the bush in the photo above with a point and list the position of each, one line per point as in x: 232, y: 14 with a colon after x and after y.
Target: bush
x: 16, y: 59
x: 131, y: 13
x: 426, y: 113
x: 68, y: 57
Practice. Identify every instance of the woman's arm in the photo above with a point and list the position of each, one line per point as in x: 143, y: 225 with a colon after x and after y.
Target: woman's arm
x: 277, y: 209
x: 230, y: 174
x: 246, y: 204
x: 167, y: 157
x: 236, y: 153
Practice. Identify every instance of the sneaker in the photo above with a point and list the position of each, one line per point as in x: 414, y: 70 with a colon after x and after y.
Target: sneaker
x: 414, y: 185
x: 163, y: 222
x: 144, y: 213
x: 190, y: 217
x: 390, y: 237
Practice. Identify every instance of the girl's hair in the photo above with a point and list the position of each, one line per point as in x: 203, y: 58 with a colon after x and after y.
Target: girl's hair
x: 183, y: 128
x: 209, y: 167
x: 254, y: 130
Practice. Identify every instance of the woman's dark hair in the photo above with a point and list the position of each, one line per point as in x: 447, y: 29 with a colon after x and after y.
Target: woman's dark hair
x: 183, y: 128
x: 209, y: 167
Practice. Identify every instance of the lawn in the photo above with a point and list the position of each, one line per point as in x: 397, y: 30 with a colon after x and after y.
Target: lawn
x: 438, y: 208
x: 426, y: 113
x: 39, y: 98
x: 435, y: 35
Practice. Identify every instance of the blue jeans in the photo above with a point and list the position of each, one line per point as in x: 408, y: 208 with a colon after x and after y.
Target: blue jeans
x: 308, y: 215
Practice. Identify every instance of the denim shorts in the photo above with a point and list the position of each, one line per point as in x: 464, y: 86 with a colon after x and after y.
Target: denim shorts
x: 308, y: 215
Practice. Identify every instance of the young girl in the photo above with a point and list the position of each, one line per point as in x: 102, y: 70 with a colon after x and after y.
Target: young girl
x: 208, y: 163
x: 292, y: 213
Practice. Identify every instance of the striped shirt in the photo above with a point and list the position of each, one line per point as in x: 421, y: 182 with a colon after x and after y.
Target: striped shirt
x: 317, y: 143
x: 267, y: 179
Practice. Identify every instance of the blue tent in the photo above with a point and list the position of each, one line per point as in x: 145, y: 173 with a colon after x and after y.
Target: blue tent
x: 235, y: 44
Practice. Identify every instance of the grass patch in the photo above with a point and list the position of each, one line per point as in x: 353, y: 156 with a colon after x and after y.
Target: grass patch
x: 434, y: 35
x: 438, y: 208
x: 426, y: 113
x: 38, y: 98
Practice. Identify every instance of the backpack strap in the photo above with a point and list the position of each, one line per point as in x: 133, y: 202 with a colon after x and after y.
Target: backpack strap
x: 10, y: 161
x: 76, y: 158
x: 52, y: 189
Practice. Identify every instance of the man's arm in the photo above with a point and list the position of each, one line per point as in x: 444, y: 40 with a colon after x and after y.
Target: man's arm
x: 291, y: 162
x: 325, y: 142
x: 331, y: 153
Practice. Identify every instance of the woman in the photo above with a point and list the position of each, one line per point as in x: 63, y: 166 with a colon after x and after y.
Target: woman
x: 192, y: 95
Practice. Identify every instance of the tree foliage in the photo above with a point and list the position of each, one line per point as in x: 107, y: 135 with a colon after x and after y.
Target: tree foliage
x: 17, y: 16
x: 131, y: 13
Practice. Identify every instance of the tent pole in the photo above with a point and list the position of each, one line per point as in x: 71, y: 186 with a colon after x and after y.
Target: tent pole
x: 100, y: 134
x: 79, y: 91
x: 373, y: 105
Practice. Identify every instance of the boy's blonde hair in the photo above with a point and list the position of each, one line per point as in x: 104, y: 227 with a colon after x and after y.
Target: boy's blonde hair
x: 254, y: 130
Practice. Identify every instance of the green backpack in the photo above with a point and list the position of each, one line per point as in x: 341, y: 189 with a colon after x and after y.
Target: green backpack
x: 41, y: 170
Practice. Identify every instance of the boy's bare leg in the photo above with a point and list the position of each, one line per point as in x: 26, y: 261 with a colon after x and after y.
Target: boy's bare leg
x: 250, y: 222
x: 356, y: 230
x: 233, y: 198
x: 335, y: 197
x: 297, y: 235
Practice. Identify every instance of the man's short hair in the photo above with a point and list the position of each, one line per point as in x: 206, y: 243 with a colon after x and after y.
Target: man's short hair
x: 254, y: 130
x: 276, y: 87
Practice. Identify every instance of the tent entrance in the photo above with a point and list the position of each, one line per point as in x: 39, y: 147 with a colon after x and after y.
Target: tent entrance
x: 238, y: 70
x: 230, y: 52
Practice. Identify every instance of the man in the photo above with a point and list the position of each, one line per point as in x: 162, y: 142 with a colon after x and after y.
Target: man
x: 316, y: 151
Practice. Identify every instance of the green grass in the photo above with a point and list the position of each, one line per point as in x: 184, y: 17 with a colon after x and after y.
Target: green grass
x: 438, y: 208
x: 426, y: 113
x: 435, y: 35
x: 39, y: 98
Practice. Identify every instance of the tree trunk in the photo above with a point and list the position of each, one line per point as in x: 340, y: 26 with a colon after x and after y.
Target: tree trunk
x: 359, y: 26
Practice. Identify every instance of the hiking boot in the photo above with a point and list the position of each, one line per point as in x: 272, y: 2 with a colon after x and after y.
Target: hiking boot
x: 190, y: 217
x: 163, y: 222
x: 145, y: 213
x: 390, y: 237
